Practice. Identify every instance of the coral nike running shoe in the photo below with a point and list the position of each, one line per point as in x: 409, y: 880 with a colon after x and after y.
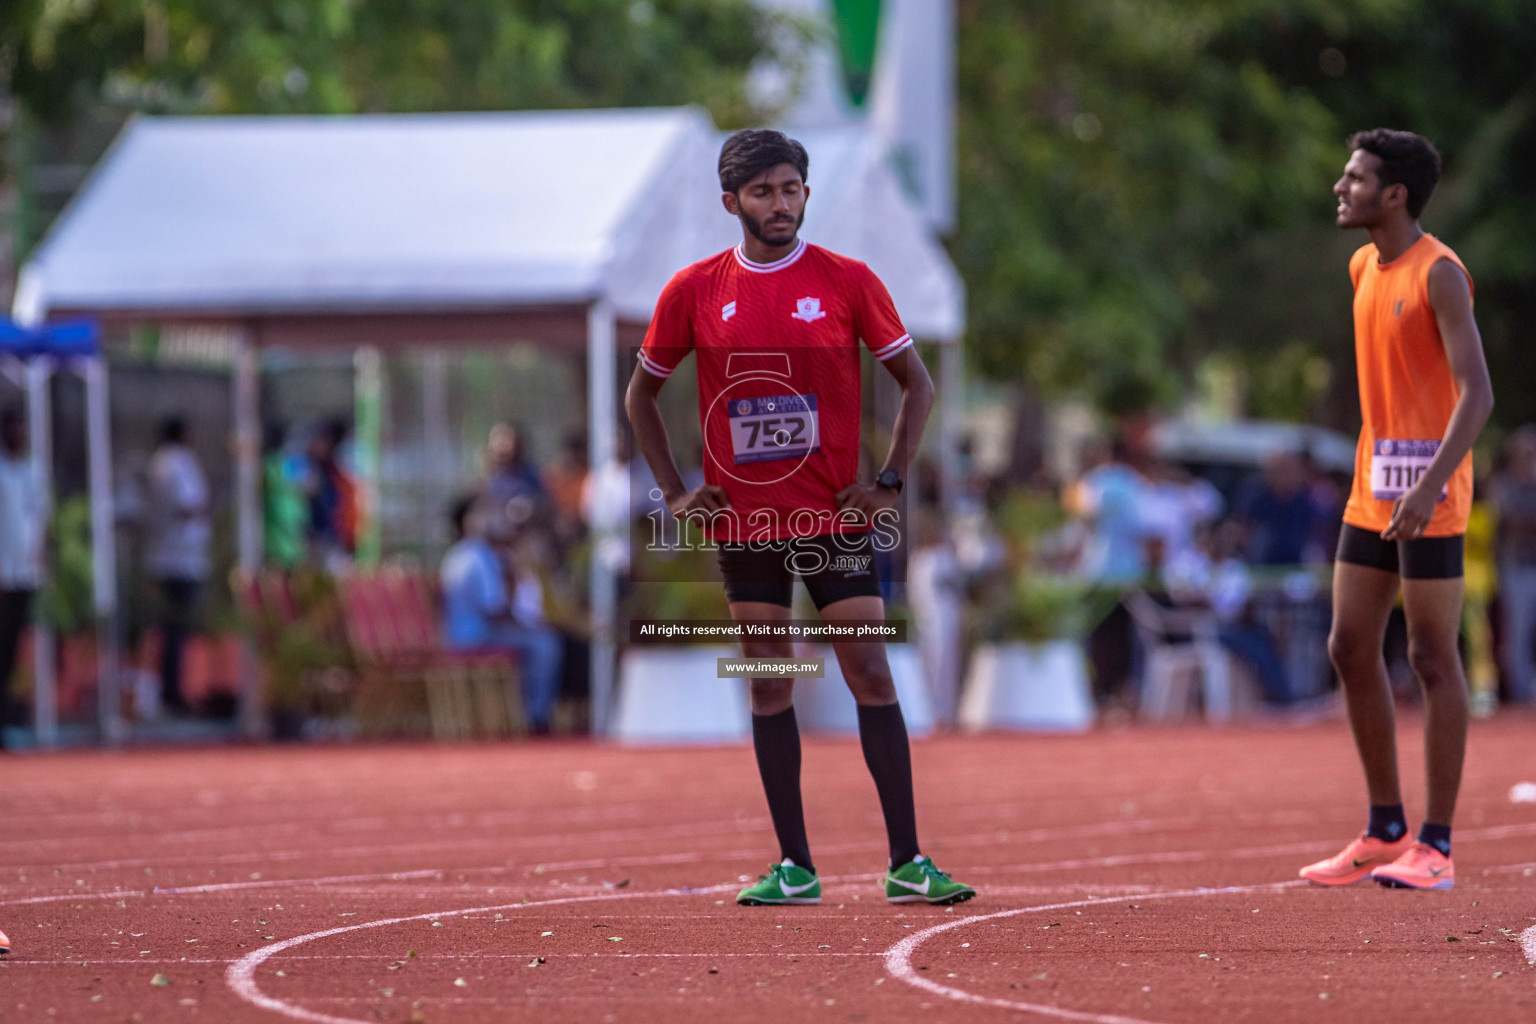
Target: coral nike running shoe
x: 1355, y: 861
x: 5, y: 944
x: 1420, y: 867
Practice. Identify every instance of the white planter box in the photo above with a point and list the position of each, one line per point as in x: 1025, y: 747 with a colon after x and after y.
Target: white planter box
x: 826, y: 706
x: 1032, y: 687
x: 671, y: 695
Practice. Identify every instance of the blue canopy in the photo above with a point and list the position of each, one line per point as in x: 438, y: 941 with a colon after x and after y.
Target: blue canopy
x: 67, y: 339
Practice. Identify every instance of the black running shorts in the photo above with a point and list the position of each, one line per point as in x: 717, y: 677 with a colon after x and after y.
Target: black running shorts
x: 832, y: 567
x: 1425, y: 558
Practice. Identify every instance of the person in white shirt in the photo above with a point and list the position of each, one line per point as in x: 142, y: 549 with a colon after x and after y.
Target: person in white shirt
x: 21, y: 544
x: 177, y: 555
x: 936, y: 592
x: 1175, y: 505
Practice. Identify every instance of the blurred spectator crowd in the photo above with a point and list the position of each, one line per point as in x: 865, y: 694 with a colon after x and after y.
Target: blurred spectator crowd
x: 1142, y: 544
x: 1117, y: 557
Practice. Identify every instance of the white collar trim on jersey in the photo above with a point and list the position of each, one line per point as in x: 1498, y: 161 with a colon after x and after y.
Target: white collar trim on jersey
x: 768, y: 268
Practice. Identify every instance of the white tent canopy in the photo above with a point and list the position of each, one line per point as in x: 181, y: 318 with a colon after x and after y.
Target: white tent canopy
x: 257, y: 216
x: 444, y: 228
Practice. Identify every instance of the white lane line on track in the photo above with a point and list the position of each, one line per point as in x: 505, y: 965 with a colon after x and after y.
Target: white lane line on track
x: 1039, y: 835
x: 747, y: 826
x: 632, y: 837
x: 898, y: 959
x: 1528, y: 944
x: 457, y: 957
x: 1115, y: 860
x: 743, y: 826
x: 132, y: 825
x: 241, y: 976
x: 1529, y: 867
x: 1241, y: 853
x: 184, y: 890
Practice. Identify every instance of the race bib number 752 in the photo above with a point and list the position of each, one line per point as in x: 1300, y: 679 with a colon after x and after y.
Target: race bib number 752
x: 773, y: 427
x: 1397, y: 465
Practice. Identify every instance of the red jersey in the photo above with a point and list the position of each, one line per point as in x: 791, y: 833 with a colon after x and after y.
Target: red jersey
x: 779, y: 391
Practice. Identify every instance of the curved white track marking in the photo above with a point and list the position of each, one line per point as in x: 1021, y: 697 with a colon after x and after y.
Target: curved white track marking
x: 898, y: 959
x: 1528, y: 943
x: 241, y: 976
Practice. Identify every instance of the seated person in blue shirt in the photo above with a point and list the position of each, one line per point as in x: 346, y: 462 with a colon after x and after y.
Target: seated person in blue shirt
x: 481, y: 609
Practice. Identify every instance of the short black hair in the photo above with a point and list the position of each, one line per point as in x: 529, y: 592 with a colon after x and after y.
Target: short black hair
x: 1406, y: 159
x: 273, y: 437
x: 751, y: 151
x: 458, y: 513
x: 173, y: 430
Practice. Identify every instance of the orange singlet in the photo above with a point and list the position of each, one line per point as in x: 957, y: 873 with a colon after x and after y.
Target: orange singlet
x: 1407, y: 391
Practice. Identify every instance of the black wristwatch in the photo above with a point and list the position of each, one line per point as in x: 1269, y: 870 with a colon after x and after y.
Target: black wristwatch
x: 889, y: 479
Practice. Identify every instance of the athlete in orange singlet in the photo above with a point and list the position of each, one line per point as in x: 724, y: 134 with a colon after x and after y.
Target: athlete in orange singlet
x: 1424, y: 395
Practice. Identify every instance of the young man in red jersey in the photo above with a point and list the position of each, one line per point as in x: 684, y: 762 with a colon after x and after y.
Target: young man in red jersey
x: 1424, y: 395
x: 775, y: 325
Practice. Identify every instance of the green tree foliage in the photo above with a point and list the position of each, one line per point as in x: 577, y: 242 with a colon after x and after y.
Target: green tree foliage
x: 1146, y: 183
x: 1106, y: 162
x: 1458, y: 71
x: 347, y: 56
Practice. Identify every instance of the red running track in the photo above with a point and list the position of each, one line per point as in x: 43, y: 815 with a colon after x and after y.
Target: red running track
x: 1129, y: 876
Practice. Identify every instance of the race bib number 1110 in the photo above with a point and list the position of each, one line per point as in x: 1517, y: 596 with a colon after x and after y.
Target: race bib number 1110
x: 773, y: 427
x: 1397, y: 465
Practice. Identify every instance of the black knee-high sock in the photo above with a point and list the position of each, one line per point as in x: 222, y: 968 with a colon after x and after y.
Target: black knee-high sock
x: 776, y: 740
x: 883, y: 735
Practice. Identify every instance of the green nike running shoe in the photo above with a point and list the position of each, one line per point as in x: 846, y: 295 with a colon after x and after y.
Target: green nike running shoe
x: 784, y: 883
x: 919, y: 881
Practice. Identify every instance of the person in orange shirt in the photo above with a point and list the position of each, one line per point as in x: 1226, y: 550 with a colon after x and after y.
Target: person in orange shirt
x: 1424, y: 395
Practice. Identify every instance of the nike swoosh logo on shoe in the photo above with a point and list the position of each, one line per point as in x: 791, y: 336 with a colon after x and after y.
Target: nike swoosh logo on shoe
x: 921, y: 890
x: 795, y: 890
x: 1437, y: 874
x: 1359, y: 863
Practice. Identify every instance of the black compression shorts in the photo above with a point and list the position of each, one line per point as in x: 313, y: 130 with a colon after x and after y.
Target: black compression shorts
x: 1424, y: 558
x: 833, y: 568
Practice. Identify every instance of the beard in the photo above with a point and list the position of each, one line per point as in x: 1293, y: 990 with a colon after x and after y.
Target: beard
x: 1361, y: 214
x: 760, y: 231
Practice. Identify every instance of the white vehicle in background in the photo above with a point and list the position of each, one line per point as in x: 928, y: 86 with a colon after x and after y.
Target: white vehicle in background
x: 1229, y: 452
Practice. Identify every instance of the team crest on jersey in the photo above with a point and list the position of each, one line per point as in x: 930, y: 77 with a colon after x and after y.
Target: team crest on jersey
x: 808, y: 310
x: 727, y: 311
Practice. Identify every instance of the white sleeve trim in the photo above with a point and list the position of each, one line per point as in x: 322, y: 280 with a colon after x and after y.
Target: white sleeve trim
x: 894, y: 347
x: 653, y: 366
